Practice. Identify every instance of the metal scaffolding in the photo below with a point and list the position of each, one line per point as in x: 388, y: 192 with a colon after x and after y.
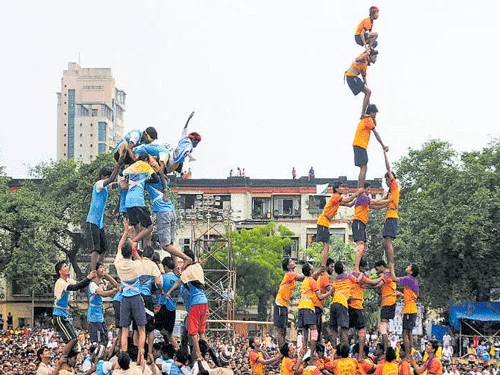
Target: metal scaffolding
x: 211, y: 242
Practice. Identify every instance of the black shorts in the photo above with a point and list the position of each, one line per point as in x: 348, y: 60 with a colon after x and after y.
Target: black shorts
x: 139, y: 215
x: 165, y: 319
x: 280, y: 316
x: 409, y: 321
x: 390, y: 228
x: 357, y: 39
x: 96, y: 238
x: 149, y: 307
x: 323, y: 234
x: 356, y: 84
x: 358, y: 231
x: 388, y: 312
x: 319, y: 318
x: 116, y: 308
x: 306, y: 318
x: 360, y: 156
x: 357, y: 318
x: 64, y: 328
x: 339, y: 316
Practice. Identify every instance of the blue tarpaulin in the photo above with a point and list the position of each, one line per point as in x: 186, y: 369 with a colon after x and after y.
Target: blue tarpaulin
x: 482, y: 311
x: 439, y: 331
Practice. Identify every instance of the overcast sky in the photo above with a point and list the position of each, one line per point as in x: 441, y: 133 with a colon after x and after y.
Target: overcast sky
x: 265, y: 77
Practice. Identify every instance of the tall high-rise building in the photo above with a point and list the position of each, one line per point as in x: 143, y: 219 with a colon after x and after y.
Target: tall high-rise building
x: 89, y: 113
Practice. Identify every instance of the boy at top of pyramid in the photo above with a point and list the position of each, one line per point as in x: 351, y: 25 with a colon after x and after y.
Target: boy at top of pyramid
x: 364, y: 36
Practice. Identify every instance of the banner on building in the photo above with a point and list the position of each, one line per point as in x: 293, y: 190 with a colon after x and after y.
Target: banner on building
x: 322, y: 189
x: 396, y: 324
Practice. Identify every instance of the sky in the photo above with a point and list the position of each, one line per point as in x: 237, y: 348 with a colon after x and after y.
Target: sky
x: 265, y: 77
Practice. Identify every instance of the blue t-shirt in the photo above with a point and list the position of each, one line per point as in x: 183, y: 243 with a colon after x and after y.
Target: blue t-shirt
x: 133, y: 135
x: 131, y: 287
x: 168, y: 280
x: 183, y: 147
x: 118, y: 296
x: 186, y: 297
x: 123, y: 197
x: 95, y: 312
x: 155, y: 191
x: 135, y: 194
x: 198, y: 296
x: 146, y: 284
x: 98, y: 204
x: 152, y: 149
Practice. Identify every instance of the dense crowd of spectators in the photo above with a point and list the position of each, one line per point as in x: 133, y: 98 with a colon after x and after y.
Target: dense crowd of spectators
x: 18, y: 352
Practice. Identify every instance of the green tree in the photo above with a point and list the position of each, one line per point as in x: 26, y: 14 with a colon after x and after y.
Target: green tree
x: 258, y: 254
x: 450, y: 220
x: 45, y: 218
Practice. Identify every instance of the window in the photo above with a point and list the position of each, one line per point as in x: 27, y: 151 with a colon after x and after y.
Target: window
x: 293, y: 250
x: 102, y: 132
x: 71, y: 123
x: 19, y: 290
x: 101, y: 148
x: 187, y: 201
x: 94, y: 112
x: 286, y: 207
x: 261, y: 208
x: 317, y: 203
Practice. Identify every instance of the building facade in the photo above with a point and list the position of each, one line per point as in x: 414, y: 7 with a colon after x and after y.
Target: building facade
x: 90, y: 113
x: 249, y: 202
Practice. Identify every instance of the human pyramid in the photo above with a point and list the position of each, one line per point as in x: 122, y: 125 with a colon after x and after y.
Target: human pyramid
x: 347, y: 289
x: 144, y: 296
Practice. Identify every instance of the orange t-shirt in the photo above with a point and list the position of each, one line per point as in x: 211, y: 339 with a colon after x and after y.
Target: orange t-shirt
x: 433, y: 366
x: 329, y: 210
x: 308, y: 293
x: 392, y: 207
x: 388, y: 290
x: 388, y: 368
x: 358, y: 67
x: 286, y: 367
x: 357, y: 295
x: 342, y: 286
x: 404, y: 368
x: 363, y: 132
x: 366, y: 24
x: 311, y: 370
x: 365, y: 365
x: 257, y: 368
x: 286, y: 289
x: 345, y: 366
x: 323, y: 283
x: 361, y: 207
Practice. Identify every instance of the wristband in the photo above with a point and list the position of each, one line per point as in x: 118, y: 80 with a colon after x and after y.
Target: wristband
x: 134, y: 252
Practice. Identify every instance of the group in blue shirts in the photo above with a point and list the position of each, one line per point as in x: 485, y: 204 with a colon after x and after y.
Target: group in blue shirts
x: 141, y: 296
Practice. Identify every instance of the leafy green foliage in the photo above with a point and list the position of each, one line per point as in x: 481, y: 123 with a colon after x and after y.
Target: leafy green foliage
x: 450, y: 220
x: 258, y: 254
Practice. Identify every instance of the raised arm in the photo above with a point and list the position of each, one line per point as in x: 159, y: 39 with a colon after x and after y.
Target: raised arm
x: 83, y: 283
x: 111, y: 178
x: 375, y: 132
x: 324, y: 295
x: 189, y: 118
x: 111, y: 280
x: 388, y: 166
